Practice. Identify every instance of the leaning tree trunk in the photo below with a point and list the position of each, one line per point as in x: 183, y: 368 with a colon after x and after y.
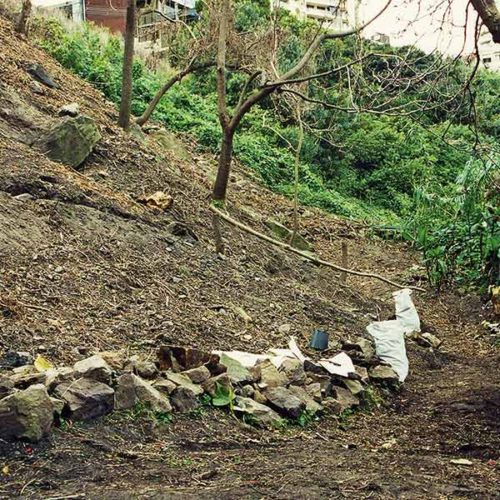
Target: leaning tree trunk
x: 128, y: 59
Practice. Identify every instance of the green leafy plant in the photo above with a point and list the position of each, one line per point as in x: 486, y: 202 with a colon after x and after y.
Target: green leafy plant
x: 224, y: 396
x: 459, y: 234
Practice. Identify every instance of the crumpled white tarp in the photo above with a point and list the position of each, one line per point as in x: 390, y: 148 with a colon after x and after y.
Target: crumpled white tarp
x: 389, y: 336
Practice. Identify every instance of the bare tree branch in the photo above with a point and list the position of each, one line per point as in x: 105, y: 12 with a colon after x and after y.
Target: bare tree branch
x: 490, y: 15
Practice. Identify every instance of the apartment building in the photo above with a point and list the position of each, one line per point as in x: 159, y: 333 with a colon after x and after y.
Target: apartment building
x: 333, y: 14
x: 489, y: 51
x: 112, y: 13
x: 73, y: 9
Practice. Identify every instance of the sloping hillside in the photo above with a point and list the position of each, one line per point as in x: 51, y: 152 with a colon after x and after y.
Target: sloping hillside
x: 85, y: 267
x: 125, y: 277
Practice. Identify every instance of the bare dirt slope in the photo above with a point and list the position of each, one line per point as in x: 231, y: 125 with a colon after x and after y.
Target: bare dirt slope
x: 85, y: 267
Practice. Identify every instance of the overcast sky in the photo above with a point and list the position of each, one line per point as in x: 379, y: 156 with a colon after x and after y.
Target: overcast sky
x: 419, y: 22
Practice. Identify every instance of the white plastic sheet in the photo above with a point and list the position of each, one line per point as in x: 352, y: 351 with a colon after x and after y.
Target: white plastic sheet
x: 341, y: 364
x: 390, y: 346
x: 406, y: 313
x: 389, y: 336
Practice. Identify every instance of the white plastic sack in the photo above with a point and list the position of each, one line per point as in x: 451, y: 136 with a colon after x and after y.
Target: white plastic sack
x: 406, y: 313
x: 390, y: 346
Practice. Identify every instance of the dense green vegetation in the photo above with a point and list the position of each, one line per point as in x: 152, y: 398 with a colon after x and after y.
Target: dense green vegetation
x: 422, y: 173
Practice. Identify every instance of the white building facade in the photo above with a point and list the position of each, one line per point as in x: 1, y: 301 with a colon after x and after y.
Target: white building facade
x: 489, y: 51
x: 74, y: 9
x: 336, y: 15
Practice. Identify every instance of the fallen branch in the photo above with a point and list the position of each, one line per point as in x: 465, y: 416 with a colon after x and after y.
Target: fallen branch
x: 305, y: 255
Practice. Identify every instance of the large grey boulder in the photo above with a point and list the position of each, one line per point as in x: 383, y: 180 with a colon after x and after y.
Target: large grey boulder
x: 182, y: 381
x: 355, y: 386
x: 184, y: 400
x: 95, y: 368
x: 26, y: 379
x: 145, y: 369
x: 384, y: 374
x: 70, y: 140
x: 293, y: 369
x: 314, y: 391
x: 222, y: 380
x: 198, y: 375
x: 285, y: 402
x: 27, y: 414
x: 345, y: 398
x: 164, y: 386
x: 237, y: 373
x: 56, y: 376
x: 311, y: 405
x: 131, y: 389
x: 270, y: 376
x: 86, y: 398
x: 258, y: 414
x: 6, y: 386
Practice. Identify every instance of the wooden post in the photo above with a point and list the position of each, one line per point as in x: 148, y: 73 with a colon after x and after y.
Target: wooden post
x: 345, y: 261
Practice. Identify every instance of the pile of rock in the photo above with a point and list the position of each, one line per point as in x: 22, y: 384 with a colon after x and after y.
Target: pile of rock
x: 33, y: 396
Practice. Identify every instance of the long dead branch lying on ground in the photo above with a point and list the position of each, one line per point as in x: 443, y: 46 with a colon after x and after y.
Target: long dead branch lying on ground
x: 305, y: 255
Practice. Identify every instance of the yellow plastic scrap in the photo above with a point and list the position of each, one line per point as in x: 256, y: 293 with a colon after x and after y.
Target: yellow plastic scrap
x: 42, y: 364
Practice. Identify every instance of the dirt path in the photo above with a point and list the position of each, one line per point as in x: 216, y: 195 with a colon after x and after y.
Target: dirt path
x: 448, y: 409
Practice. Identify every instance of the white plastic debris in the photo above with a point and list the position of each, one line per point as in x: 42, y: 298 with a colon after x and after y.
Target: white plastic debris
x: 247, y: 359
x: 341, y: 364
x: 390, y: 346
x: 389, y: 336
x: 406, y: 313
x: 295, y: 349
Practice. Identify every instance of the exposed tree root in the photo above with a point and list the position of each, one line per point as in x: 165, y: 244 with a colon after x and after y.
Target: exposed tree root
x: 305, y: 255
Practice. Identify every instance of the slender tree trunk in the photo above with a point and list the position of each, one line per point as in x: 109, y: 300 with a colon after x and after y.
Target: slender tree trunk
x: 224, y: 166
x: 220, y: 185
x: 22, y: 25
x: 296, y: 177
x: 128, y: 59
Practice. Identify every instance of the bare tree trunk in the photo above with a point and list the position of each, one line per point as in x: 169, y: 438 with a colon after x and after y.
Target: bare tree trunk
x: 296, y: 177
x: 226, y: 152
x: 22, y: 25
x: 224, y: 166
x: 128, y: 59
x: 490, y: 15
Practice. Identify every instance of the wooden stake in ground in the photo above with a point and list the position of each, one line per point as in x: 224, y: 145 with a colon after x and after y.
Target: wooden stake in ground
x: 345, y: 261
